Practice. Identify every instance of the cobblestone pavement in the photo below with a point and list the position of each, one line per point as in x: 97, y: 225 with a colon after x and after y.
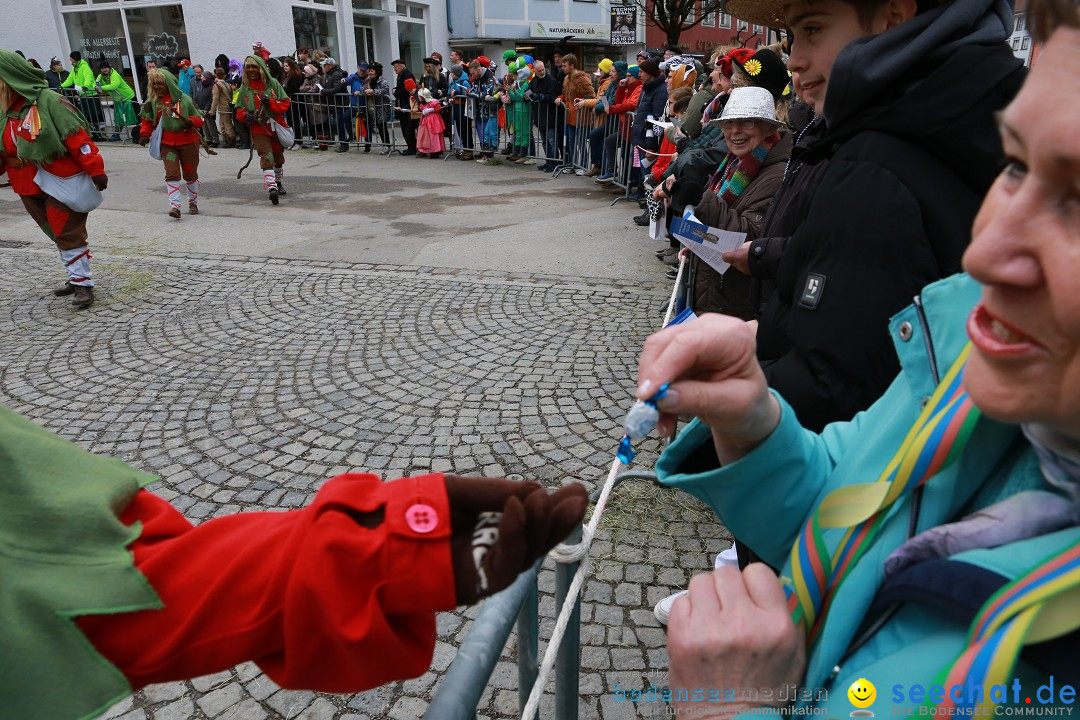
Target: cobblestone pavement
x: 264, y: 377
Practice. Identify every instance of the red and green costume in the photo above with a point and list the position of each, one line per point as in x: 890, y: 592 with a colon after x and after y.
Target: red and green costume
x: 179, y: 120
x: 43, y: 130
x: 261, y: 103
x: 107, y: 588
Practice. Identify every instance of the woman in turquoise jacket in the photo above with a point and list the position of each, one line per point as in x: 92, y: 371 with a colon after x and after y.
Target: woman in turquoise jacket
x: 121, y: 93
x: 915, y: 540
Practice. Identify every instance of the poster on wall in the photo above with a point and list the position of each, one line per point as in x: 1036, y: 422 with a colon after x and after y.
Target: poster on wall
x: 623, y: 25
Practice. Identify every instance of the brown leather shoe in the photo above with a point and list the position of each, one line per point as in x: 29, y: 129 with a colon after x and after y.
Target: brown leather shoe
x: 467, y: 155
x: 593, y: 172
x: 84, y: 297
x: 175, y: 213
x: 192, y: 209
x: 65, y: 289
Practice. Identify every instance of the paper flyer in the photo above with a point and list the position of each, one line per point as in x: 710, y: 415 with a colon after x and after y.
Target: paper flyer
x: 708, y: 243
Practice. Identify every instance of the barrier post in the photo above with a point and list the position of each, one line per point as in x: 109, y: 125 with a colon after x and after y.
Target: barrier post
x: 528, y: 640
x: 568, y: 660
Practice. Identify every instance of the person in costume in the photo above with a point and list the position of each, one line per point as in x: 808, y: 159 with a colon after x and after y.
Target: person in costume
x: 180, y: 121
x: 519, y: 110
x: 113, y: 589
x: 42, y: 130
x: 121, y: 93
x: 261, y: 104
x: 429, y: 136
x: 932, y: 542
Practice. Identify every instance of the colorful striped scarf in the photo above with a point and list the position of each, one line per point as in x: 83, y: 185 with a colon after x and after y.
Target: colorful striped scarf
x: 735, y: 174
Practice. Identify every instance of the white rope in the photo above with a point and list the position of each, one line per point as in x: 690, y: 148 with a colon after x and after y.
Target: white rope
x: 564, y: 553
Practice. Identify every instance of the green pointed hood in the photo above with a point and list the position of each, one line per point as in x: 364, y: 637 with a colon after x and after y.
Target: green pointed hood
x: 58, y: 118
x: 246, y: 98
x: 153, y: 108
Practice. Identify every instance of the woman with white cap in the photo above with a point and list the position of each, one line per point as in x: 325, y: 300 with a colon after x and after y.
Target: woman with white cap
x: 739, y: 193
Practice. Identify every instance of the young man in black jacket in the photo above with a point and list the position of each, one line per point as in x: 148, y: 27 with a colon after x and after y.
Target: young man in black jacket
x: 907, y: 90
x: 401, y: 101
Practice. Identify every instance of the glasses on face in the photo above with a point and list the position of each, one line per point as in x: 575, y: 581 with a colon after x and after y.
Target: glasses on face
x: 744, y: 125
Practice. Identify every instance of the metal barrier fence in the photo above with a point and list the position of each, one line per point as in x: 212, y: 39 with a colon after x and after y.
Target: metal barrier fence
x: 605, y: 141
x: 469, y: 673
x: 108, y: 118
x: 321, y: 120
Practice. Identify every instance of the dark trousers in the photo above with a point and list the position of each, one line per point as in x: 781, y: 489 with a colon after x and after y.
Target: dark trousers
x: 408, y: 130
x: 344, y: 126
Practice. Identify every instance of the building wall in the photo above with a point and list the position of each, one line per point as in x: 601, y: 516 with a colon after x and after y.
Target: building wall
x: 34, y: 28
x: 231, y: 27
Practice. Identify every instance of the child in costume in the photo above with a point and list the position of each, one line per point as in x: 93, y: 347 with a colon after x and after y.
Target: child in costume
x: 43, y: 130
x: 113, y: 589
x: 262, y: 104
x: 429, y: 136
x: 520, y: 120
x: 180, y: 120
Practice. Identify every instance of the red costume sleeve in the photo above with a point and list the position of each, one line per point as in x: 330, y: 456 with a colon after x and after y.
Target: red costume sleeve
x: 279, y: 107
x: 241, y: 114
x: 313, y: 596
x: 196, y: 121
x: 146, y: 129
x: 90, y: 161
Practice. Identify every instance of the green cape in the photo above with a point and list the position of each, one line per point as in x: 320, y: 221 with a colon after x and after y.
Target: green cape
x: 153, y: 106
x: 246, y: 98
x: 59, y: 118
x: 63, y: 554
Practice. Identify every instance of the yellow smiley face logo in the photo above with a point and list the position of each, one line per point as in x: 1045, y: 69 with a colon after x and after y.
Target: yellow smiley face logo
x: 862, y: 693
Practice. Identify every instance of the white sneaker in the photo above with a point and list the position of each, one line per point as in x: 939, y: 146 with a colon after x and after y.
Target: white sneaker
x: 579, y: 172
x: 662, y: 611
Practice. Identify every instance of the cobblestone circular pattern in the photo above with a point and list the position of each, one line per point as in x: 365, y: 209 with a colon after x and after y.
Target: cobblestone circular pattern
x: 246, y: 383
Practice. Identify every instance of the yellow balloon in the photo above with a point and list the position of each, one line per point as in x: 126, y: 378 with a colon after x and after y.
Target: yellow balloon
x: 862, y: 693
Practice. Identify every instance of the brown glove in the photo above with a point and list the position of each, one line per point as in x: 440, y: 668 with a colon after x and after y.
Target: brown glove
x: 144, y: 140
x: 500, y: 527
x: 100, y: 181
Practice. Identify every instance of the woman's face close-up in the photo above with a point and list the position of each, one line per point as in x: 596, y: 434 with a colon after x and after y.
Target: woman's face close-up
x: 1025, y: 250
x: 743, y: 136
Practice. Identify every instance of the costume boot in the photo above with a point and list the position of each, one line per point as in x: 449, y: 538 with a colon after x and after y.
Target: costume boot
x: 270, y: 183
x: 193, y: 197
x: 174, y: 198
x: 279, y: 173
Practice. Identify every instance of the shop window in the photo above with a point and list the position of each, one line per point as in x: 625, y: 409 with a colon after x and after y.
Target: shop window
x: 1024, y: 46
x: 158, y: 34
x: 315, y: 29
x: 709, y: 20
x: 416, y: 13
x: 743, y: 25
x: 725, y: 20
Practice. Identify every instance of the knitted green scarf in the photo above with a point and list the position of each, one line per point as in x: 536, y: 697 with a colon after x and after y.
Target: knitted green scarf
x: 154, y: 108
x: 246, y: 98
x: 59, y: 118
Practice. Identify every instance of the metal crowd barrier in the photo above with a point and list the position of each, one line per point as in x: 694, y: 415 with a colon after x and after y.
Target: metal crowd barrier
x: 469, y: 673
x: 105, y: 116
x: 323, y: 120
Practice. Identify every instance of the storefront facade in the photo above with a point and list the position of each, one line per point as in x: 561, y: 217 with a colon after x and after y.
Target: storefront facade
x: 128, y: 33
x: 490, y: 27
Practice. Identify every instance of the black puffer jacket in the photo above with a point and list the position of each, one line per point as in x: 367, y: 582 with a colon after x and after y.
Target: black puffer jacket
x: 790, y: 205
x: 912, y: 149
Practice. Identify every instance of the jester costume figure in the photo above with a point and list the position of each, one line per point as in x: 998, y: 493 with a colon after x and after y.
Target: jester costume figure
x: 179, y: 119
x: 44, y: 132
x: 262, y: 104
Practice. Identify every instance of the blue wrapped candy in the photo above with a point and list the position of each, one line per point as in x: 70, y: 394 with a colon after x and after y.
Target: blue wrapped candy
x: 640, y: 421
